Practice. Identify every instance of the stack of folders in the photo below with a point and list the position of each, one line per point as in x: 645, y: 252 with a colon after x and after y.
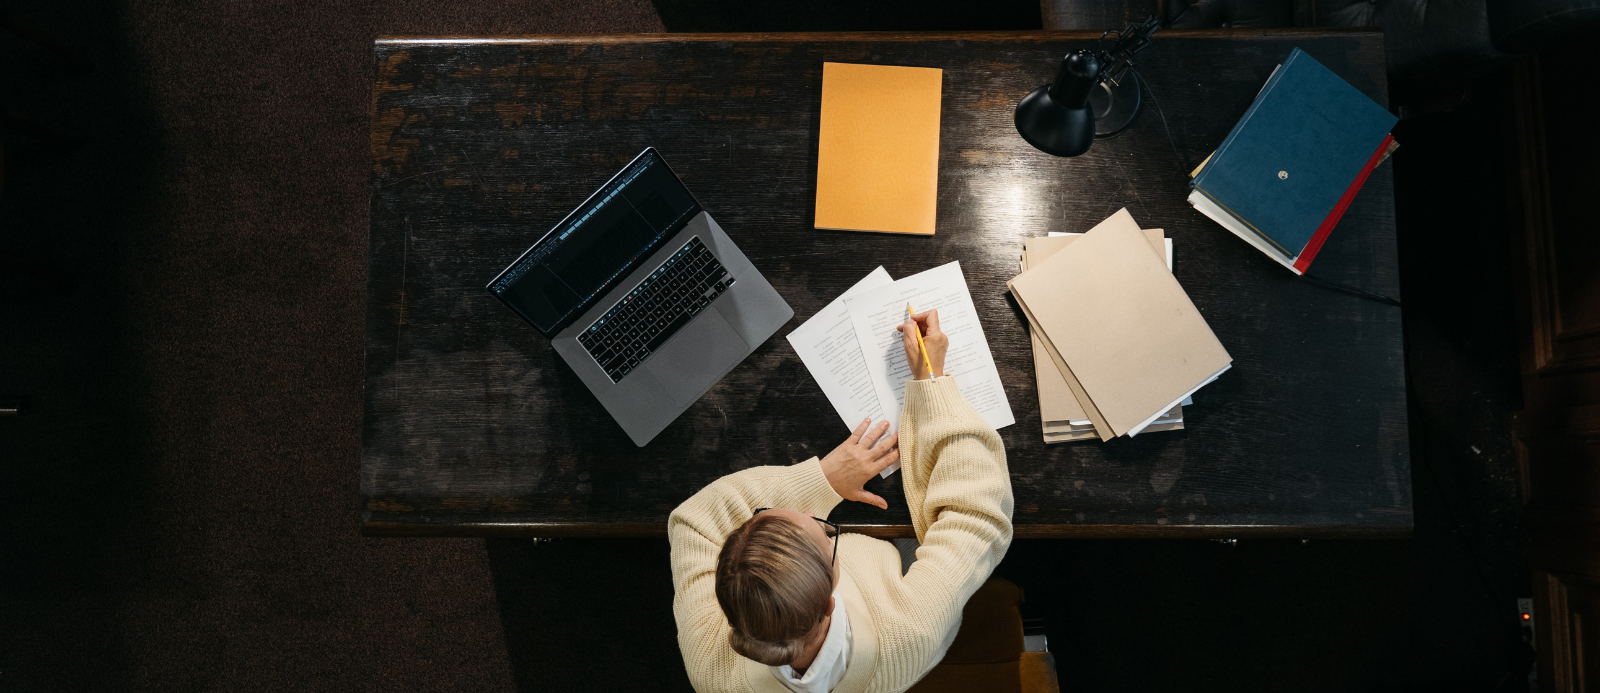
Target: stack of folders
x: 1284, y: 176
x: 1064, y: 418
x: 1118, y: 346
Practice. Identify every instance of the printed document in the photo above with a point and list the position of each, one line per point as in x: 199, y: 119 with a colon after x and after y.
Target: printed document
x: 827, y: 345
x: 876, y: 312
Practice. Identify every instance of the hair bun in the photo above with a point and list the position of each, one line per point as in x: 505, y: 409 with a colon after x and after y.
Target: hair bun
x: 772, y: 654
x: 774, y: 584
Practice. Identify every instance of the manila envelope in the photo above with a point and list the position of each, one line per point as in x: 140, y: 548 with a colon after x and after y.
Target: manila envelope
x: 1064, y: 418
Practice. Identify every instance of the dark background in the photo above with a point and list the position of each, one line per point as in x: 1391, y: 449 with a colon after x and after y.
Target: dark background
x: 183, y: 299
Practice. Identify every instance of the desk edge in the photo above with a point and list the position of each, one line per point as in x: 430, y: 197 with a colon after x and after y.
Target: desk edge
x: 803, y: 36
x: 654, y: 529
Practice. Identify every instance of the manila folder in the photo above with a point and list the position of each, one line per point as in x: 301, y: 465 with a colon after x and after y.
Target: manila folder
x: 1119, y: 324
x: 1057, y: 403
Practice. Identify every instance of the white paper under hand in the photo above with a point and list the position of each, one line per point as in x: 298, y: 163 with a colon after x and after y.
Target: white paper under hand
x: 828, y: 347
x: 876, y: 313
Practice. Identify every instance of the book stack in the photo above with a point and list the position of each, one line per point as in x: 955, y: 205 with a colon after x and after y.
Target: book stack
x: 1118, y: 346
x: 1287, y: 171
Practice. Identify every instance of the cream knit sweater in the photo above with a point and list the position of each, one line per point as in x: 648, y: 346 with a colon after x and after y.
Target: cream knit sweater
x: 955, y: 480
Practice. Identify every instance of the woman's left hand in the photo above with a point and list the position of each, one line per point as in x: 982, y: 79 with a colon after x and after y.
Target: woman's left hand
x: 857, y: 460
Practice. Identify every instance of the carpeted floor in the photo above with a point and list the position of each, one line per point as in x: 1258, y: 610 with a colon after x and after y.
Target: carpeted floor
x: 180, y: 508
x: 183, y: 300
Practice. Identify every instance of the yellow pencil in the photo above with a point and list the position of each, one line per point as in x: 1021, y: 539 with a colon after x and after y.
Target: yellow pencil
x: 926, y: 362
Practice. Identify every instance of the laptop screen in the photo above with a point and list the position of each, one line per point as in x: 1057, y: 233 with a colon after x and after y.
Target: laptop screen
x: 597, y: 244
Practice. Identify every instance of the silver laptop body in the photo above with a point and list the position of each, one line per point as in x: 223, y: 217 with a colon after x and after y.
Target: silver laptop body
x: 704, y: 306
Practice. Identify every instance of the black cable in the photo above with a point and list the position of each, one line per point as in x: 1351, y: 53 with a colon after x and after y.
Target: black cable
x: 1182, y: 160
x: 1363, y: 293
x: 1444, y: 499
x: 1502, y: 682
x: 1414, y: 409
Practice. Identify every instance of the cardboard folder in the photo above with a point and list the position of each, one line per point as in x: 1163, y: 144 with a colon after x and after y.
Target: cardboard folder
x: 878, y: 148
x: 1120, y: 329
x: 1058, y: 406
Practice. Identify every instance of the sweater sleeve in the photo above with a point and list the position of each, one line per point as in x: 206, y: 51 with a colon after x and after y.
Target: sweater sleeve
x: 959, y: 492
x: 696, y: 530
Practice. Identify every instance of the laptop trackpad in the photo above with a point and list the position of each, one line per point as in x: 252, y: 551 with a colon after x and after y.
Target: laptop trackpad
x: 697, y: 356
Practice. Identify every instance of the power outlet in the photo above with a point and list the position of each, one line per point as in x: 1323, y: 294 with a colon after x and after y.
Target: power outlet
x: 1525, y: 619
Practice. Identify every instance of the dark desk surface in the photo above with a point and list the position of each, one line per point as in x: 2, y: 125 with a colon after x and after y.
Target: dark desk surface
x: 473, y: 426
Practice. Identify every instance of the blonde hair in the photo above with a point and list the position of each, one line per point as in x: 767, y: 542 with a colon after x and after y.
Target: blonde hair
x: 773, y: 583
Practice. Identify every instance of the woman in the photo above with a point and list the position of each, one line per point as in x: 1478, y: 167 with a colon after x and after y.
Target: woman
x: 768, y: 596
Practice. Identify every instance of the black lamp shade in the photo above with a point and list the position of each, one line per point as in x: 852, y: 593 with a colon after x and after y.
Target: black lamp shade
x: 1056, y: 118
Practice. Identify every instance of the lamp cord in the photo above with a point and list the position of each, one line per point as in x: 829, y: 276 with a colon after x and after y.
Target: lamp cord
x: 1428, y: 462
x: 1184, y: 162
x: 1346, y: 288
x: 1181, y: 159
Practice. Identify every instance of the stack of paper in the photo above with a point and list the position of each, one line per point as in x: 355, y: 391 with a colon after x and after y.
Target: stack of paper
x: 1118, y: 346
x: 854, y: 351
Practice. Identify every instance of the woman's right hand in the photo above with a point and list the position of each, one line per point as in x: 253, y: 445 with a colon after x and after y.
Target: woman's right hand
x: 926, y: 322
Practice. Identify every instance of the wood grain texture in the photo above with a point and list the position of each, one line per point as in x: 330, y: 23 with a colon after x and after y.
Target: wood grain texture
x: 474, y: 426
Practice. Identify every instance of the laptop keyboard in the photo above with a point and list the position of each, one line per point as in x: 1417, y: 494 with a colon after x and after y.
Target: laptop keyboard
x: 654, y: 311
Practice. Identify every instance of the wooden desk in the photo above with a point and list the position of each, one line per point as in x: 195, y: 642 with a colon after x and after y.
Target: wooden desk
x: 473, y: 426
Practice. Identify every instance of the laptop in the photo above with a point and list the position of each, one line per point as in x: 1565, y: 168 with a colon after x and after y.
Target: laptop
x: 644, y: 295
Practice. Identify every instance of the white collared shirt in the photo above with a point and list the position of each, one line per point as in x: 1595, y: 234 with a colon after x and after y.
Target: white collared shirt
x: 827, y: 669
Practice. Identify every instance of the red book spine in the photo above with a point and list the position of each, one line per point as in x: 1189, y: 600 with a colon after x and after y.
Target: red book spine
x: 1312, y: 246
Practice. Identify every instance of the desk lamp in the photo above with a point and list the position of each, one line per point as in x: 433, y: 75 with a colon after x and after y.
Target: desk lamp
x: 1095, y: 95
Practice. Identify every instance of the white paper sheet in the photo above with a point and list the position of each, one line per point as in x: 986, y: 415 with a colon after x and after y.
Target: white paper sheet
x: 875, y: 314
x: 828, y: 347
x: 1168, y: 243
x: 1185, y: 398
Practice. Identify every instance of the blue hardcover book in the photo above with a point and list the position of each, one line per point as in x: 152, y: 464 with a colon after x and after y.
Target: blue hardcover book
x: 1290, y: 167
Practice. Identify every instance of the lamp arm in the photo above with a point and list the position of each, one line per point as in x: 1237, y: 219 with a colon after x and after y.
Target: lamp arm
x: 1130, y: 40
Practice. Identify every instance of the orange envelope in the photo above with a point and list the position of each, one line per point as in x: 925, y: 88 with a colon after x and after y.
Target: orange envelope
x: 878, y: 148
